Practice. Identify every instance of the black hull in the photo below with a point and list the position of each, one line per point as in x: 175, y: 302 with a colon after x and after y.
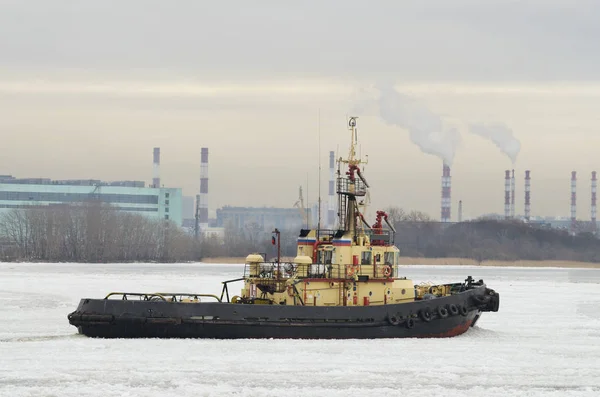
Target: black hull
x: 144, y: 319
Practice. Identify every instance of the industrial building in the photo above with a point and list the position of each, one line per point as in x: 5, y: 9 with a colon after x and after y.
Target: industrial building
x: 265, y: 218
x: 130, y: 196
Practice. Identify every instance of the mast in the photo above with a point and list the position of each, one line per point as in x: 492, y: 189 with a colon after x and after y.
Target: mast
x: 351, y: 186
x: 319, y: 190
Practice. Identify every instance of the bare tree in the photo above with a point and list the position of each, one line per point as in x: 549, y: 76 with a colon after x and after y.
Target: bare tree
x: 93, y: 232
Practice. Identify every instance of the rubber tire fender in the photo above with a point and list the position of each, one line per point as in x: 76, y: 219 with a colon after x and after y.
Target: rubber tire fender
x: 442, y: 312
x: 394, y: 319
x: 463, y: 310
x: 453, y: 309
x: 410, y: 323
x: 425, y: 314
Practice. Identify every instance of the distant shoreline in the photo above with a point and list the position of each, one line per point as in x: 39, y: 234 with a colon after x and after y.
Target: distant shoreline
x: 405, y: 261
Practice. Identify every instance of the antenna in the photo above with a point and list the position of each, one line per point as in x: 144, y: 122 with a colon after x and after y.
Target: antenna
x: 319, y: 157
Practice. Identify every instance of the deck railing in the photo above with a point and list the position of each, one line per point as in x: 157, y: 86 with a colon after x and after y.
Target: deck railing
x: 287, y: 270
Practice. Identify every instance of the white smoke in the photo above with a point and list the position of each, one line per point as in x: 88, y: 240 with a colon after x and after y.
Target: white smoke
x: 501, y: 135
x: 426, y: 128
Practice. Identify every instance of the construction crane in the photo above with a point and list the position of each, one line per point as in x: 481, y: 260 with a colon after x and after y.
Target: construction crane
x: 300, y: 205
x: 93, y: 195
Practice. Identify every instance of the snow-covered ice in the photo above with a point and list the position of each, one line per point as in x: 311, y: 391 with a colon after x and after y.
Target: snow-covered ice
x: 544, y: 341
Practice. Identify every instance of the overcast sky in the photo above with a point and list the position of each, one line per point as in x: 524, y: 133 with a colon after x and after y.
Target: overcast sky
x: 88, y: 88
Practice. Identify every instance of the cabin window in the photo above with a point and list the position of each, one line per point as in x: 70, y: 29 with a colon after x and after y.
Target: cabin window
x: 365, y: 258
x: 377, y: 258
x: 326, y: 257
x: 389, y: 258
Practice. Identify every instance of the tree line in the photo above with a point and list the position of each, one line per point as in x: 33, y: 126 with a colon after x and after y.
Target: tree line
x: 96, y: 232
x: 487, y: 239
x: 91, y: 232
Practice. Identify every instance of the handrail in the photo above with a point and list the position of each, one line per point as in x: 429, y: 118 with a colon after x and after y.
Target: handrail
x: 225, y: 290
x: 162, y: 296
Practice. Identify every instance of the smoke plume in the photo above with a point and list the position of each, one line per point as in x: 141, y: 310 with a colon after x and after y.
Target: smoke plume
x: 426, y: 128
x: 501, y: 135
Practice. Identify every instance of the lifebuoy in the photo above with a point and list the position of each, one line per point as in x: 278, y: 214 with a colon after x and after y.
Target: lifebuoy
x: 351, y: 271
x: 387, y: 271
x: 453, y: 309
x: 463, y: 310
x: 410, y: 322
x: 425, y: 315
x: 442, y: 312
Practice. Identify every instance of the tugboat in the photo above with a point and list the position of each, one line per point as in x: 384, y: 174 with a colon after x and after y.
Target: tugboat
x: 343, y: 284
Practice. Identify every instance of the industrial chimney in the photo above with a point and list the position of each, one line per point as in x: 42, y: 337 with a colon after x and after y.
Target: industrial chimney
x: 203, y: 206
x: 507, y: 194
x: 156, y: 168
x: 446, y: 194
x: 459, y: 211
x: 573, y: 200
x: 331, y: 203
x: 512, y: 195
x: 593, y: 212
x: 197, y: 218
x: 527, y: 196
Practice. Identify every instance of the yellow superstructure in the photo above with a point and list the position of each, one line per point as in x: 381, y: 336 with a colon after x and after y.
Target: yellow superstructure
x: 356, y: 265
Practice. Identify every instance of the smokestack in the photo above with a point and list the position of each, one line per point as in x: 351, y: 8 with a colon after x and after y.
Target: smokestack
x: 593, y: 212
x: 156, y: 168
x: 197, y: 218
x: 446, y: 194
x: 331, y: 204
x: 203, y: 207
x: 460, y: 210
x: 512, y: 195
x: 527, y: 196
x: 507, y: 194
x: 573, y: 200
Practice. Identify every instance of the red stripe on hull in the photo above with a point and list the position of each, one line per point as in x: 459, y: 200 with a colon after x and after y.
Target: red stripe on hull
x: 458, y: 330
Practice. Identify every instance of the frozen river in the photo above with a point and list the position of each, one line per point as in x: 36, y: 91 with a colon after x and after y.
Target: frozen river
x: 544, y: 341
